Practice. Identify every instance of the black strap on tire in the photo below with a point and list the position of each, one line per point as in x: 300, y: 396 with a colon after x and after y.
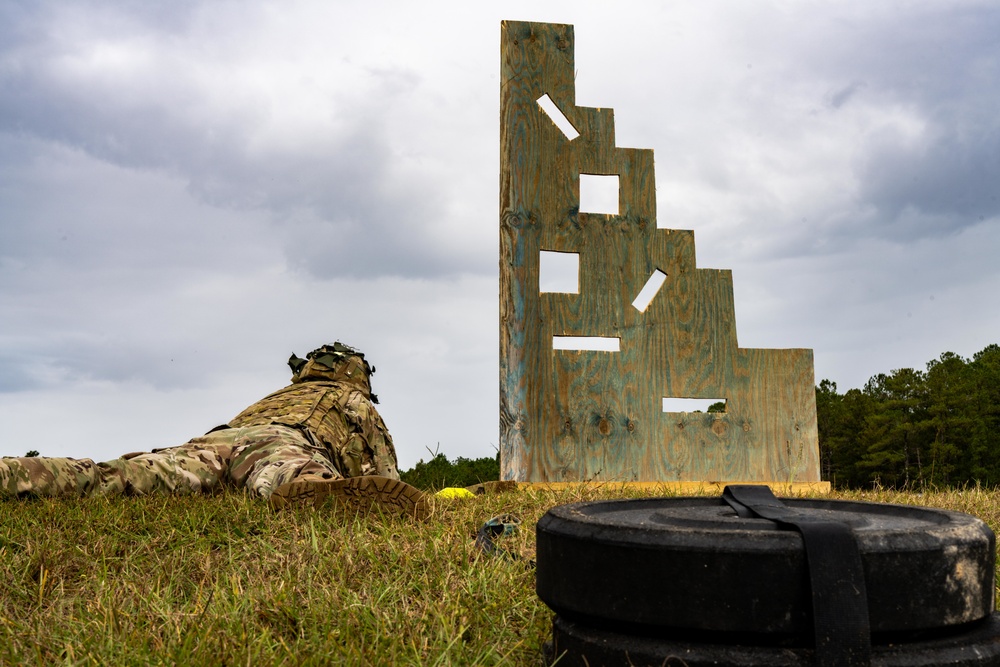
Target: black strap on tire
x: 836, y: 575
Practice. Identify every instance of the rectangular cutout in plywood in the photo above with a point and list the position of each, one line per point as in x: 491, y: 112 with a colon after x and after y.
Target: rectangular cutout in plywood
x: 599, y: 193
x: 577, y: 414
x: 558, y: 272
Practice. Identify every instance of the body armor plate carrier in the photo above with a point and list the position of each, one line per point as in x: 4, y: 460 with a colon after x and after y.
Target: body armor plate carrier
x: 336, y: 416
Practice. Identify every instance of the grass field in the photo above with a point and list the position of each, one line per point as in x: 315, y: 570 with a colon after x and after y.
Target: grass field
x: 223, y: 580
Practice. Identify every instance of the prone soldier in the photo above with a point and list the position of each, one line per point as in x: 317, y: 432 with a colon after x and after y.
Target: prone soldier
x: 317, y: 438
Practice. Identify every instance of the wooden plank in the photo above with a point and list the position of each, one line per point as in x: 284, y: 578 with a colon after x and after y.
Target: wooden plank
x: 593, y: 415
x: 679, y: 488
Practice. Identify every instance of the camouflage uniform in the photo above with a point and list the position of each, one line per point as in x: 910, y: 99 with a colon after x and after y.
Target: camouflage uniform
x: 323, y: 426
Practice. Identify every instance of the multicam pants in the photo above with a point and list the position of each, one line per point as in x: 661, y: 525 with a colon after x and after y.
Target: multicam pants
x: 259, y: 458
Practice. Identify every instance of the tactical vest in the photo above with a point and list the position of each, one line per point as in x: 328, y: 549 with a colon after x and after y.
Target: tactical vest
x: 338, y: 417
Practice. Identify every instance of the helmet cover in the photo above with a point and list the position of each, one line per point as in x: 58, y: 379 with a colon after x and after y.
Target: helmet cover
x: 334, y: 363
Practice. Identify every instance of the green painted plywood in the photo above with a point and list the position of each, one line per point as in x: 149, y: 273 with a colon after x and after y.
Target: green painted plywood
x: 570, y: 415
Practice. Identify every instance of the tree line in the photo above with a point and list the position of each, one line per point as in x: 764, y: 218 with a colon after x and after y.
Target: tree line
x: 912, y: 428
x: 439, y: 472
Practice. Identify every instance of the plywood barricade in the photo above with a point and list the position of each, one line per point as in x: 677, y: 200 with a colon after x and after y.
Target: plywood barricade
x: 579, y: 415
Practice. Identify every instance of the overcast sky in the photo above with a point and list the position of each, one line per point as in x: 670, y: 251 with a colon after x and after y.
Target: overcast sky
x: 190, y: 191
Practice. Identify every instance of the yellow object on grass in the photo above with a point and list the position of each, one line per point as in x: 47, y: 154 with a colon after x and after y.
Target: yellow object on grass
x: 455, y: 492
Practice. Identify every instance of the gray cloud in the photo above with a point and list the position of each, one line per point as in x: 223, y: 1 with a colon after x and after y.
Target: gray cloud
x: 935, y: 70
x: 343, y: 186
x: 951, y: 175
x: 16, y: 374
x: 854, y: 121
x: 843, y: 95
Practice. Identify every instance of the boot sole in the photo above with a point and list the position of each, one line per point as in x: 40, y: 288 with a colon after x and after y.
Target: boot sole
x: 358, y: 494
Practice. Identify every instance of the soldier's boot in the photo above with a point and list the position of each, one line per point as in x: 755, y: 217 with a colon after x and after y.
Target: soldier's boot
x: 358, y: 494
x: 486, y: 488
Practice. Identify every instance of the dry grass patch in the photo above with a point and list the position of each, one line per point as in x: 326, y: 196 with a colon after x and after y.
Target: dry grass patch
x: 223, y: 580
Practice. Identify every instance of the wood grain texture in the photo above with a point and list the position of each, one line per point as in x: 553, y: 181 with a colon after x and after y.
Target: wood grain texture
x: 571, y: 416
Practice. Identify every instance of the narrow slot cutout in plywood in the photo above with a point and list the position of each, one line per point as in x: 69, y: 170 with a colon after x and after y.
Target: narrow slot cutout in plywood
x: 649, y: 291
x: 716, y: 405
x: 586, y: 343
x: 558, y: 117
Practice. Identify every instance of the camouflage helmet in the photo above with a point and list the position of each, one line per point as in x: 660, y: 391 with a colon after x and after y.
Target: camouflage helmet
x: 334, y: 363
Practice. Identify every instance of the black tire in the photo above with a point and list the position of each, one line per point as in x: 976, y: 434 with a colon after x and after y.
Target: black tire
x: 575, y: 645
x: 692, y: 564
